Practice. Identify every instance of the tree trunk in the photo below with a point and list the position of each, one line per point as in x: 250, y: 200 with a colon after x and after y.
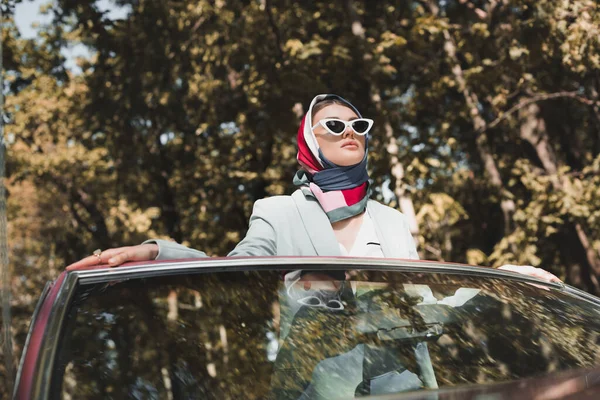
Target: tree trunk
x: 480, y: 126
x: 170, y: 210
x: 405, y: 203
x: 591, y: 256
x: 397, y: 171
x: 533, y: 130
x: 478, y: 122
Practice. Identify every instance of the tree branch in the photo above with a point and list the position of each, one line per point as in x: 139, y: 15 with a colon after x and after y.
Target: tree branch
x: 78, y: 196
x: 434, y: 251
x: 535, y: 99
x: 478, y: 11
x: 357, y: 26
x: 78, y: 217
x: 274, y: 28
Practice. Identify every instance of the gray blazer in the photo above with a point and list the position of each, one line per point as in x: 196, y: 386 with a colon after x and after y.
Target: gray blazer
x: 297, y: 226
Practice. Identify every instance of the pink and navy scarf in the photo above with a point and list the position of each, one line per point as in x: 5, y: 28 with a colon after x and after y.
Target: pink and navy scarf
x: 342, y: 192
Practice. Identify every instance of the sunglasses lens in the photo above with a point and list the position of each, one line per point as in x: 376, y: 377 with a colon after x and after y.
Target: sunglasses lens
x: 360, y: 126
x: 335, y: 305
x: 335, y: 126
x: 311, y: 301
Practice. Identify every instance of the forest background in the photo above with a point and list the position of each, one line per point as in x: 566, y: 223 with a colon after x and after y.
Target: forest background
x: 183, y: 113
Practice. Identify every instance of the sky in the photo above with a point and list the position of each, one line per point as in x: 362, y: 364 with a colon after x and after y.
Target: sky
x: 27, y: 14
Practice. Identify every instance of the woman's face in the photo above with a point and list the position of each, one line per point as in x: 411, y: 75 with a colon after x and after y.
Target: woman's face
x: 346, y: 149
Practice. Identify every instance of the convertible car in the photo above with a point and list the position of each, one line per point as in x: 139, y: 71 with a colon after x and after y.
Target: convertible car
x: 309, y: 328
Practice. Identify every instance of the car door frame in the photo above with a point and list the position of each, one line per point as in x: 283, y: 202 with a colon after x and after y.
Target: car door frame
x: 34, y: 377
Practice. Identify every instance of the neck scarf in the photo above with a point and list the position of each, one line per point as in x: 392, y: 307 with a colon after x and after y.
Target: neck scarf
x: 341, y: 191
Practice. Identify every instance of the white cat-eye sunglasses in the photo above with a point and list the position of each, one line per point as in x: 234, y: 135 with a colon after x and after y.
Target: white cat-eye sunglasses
x: 337, y: 127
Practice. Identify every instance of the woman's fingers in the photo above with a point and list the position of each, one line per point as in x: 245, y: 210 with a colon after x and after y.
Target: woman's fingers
x: 543, y: 274
x: 143, y: 252
x: 122, y: 257
x: 318, y: 281
x: 92, y: 260
x: 531, y: 271
x: 117, y: 256
x: 85, y: 262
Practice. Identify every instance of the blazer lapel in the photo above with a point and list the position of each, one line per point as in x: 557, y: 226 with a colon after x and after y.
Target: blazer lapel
x: 317, y: 225
x: 386, y: 233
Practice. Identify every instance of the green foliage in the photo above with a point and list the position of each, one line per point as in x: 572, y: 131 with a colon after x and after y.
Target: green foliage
x: 186, y: 114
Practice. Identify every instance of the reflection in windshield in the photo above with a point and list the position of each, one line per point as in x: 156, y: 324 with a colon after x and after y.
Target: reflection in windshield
x: 314, y: 335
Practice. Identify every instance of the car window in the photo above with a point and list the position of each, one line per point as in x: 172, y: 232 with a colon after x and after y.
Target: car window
x: 310, y: 334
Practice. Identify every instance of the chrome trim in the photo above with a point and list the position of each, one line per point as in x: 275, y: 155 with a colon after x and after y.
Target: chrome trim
x: 284, y: 263
x: 45, y: 362
x: 36, y: 311
x: 573, y: 291
x: 46, y: 359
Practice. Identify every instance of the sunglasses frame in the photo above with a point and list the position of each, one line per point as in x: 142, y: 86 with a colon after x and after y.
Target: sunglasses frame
x: 347, y: 124
x: 305, y: 301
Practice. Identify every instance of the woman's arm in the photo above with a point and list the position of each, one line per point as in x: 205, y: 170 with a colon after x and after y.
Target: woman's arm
x: 531, y: 271
x: 411, y: 243
x: 117, y: 256
x: 259, y: 241
x: 169, y: 250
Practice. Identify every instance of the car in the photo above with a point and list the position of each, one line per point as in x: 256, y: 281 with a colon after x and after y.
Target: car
x: 309, y: 328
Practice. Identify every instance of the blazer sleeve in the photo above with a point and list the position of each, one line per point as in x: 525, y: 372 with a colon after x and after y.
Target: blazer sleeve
x: 407, y: 237
x: 168, y: 250
x: 411, y: 245
x: 261, y: 239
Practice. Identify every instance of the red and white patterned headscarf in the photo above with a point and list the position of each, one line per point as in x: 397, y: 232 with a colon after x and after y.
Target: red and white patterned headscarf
x: 342, y: 191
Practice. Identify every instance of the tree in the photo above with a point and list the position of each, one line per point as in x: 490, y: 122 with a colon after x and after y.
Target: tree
x: 487, y: 119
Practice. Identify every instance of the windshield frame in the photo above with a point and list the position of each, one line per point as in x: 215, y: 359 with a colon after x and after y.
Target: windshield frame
x: 42, y: 380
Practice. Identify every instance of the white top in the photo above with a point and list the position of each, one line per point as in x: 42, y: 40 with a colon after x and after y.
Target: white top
x: 367, y: 243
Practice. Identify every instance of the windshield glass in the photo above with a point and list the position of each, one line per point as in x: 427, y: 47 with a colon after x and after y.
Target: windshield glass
x: 314, y: 334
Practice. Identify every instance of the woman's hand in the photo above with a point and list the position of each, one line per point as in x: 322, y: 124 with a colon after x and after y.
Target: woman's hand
x: 316, y: 281
x: 531, y: 271
x: 118, y: 256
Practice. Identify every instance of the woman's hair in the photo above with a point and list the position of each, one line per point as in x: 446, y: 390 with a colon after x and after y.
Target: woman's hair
x: 322, y: 104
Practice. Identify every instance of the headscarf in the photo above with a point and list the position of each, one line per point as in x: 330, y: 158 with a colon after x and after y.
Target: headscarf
x: 342, y: 191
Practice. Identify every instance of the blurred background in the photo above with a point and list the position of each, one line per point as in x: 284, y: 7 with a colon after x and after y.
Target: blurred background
x: 132, y: 119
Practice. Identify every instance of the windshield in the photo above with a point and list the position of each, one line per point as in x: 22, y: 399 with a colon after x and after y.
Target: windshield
x: 314, y: 334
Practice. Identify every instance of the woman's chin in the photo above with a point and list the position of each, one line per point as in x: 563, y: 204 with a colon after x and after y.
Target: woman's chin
x: 345, y: 156
x: 346, y: 162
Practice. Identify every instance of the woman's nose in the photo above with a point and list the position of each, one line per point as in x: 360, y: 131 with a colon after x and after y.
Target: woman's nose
x: 348, y: 132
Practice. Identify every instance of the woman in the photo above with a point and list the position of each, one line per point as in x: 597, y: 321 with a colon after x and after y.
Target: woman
x: 329, y: 215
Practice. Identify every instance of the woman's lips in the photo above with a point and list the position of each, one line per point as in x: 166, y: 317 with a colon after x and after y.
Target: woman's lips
x: 350, y: 145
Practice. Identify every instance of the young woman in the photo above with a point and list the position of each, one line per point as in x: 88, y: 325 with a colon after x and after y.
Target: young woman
x: 329, y: 215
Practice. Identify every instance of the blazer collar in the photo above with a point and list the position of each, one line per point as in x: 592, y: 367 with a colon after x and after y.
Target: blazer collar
x: 386, y: 232
x: 321, y: 233
x: 317, y: 225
